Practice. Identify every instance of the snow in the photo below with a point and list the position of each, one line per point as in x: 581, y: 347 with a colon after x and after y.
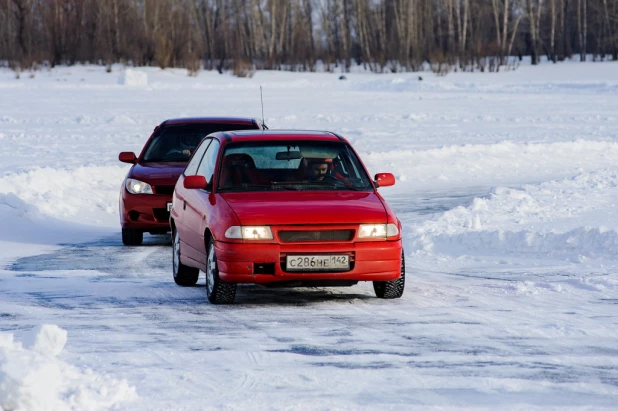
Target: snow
x: 47, y: 339
x: 133, y: 78
x: 507, y: 186
x: 544, y: 219
x: 31, y: 377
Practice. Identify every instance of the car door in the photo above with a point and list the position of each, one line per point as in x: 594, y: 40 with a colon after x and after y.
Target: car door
x: 179, y: 211
x: 198, y: 205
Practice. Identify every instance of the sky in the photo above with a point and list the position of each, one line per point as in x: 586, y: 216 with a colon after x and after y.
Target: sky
x: 507, y: 185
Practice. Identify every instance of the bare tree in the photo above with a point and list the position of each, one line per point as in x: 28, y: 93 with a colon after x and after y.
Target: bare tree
x: 582, y: 22
x: 21, y: 12
x: 462, y: 24
x: 533, y: 9
x: 295, y: 34
x: 611, y: 32
x: 502, y: 13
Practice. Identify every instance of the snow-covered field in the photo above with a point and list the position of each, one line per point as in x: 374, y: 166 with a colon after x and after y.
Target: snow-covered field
x: 507, y: 189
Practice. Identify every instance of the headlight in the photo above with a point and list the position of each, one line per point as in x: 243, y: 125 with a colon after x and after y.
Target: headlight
x: 377, y: 230
x: 249, y: 232
x: 137, y: 187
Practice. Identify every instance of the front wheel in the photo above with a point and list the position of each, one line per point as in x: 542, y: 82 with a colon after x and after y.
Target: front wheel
x: 217, y: 290
x: 132, y: 237
x: 183, y: 275
x: 392, y: 289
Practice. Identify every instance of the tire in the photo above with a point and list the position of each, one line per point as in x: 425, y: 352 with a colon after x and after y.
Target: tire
x: 183, y: 275
x: 392, y: 289
x: 132, y: 237
x: 217, y: 290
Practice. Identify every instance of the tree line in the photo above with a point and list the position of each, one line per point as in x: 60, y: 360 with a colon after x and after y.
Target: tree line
x: 244, y: 35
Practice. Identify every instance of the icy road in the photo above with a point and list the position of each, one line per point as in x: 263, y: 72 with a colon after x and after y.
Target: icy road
x: 507, y: 188
x: 477, y: 338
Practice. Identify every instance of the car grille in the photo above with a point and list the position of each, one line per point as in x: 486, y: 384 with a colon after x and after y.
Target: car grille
x: 321, y: 235
x: 164, y: 190
x: 161, y: 214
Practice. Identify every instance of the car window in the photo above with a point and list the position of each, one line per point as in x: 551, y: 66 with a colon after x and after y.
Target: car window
x: 177, y: 142
x: 207, y: 165
x: 197, y: 157
x: 299, y: 166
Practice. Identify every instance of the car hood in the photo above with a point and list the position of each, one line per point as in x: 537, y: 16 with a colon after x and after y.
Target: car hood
x: 166, y: 173
x: 285, y: 208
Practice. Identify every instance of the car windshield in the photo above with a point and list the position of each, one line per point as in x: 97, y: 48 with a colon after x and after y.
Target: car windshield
x: 177, y: 142
x: 298, y: 166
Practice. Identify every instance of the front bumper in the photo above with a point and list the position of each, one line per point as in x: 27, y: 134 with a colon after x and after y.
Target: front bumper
x: 146, y: 212
x: 370, y: 261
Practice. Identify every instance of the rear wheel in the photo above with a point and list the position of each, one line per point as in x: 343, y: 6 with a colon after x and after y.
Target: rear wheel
x: 392, y: 289
x: 217, y: 290
x: 132, y: 237
x: 183, y: 275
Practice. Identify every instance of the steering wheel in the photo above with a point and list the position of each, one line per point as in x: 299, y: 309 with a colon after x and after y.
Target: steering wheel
x: 331, y: 178
x: 186, y: 152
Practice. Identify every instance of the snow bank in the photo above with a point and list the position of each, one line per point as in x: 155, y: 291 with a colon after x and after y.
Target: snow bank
x: 31, y: 377
x: 133, y: 78
x: 24, y: 225
x: 574, y: 245
x: 570, y: 77
x: 46, y: 339
x: 20, y: 221
x: 121, y: 119
x: 407, y: 84
x: 487, y: 164
x: 87, y: 194
x: 571, y: 219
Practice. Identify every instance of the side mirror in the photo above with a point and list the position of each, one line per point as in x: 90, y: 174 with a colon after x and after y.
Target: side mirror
x: 195, y: 182
x: 127, y: 157
x: 384, y: 179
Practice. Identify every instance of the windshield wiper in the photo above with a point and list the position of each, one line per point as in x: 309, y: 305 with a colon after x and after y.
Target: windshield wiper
x: 242, y: 187
x: 292, y: 186
x: 165, y: 160
x: 285, y: 185
x: 332, y: 183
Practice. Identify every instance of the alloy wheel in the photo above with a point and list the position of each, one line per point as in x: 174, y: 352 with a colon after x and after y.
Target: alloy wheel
x: 211, y: 269
x: 176, y: 253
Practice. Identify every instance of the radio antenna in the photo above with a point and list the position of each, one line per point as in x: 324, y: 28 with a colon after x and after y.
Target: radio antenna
x: 262, y: 100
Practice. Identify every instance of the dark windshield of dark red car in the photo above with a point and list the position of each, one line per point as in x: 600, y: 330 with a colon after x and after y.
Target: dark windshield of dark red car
x: 177, y: 142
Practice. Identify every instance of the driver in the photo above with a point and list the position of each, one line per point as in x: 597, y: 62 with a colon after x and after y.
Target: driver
x: 318, y: 168
x: 187, y: 144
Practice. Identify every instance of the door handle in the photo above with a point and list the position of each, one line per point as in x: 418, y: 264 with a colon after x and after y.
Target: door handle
x: 184, y: 206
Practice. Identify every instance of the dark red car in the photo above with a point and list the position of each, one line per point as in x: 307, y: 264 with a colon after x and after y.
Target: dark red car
x: 146, y: 193
x: 283, y: 208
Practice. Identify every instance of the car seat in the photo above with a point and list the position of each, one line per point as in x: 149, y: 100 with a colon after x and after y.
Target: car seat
x: 239, y: 169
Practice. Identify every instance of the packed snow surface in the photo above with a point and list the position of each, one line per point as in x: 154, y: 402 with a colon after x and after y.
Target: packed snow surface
x: 32, y: 378
x: 507, y: 188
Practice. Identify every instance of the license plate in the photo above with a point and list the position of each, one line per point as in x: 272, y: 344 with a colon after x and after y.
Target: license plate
x: 317, y: 262
x: 169, y: 206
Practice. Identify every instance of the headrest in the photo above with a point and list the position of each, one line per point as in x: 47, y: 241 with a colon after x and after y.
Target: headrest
x: 190, y: 139
x: 319, y: 161
x: 238, y: 160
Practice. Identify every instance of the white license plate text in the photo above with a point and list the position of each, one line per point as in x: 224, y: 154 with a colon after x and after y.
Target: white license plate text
x: 317, y: 262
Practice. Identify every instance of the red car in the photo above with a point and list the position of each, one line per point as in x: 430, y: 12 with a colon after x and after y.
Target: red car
x: 283, y: 208
x: 146, y: 193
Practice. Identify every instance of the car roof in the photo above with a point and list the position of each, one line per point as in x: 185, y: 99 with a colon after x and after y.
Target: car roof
x: 262, y: 135
x: 210, y: 120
